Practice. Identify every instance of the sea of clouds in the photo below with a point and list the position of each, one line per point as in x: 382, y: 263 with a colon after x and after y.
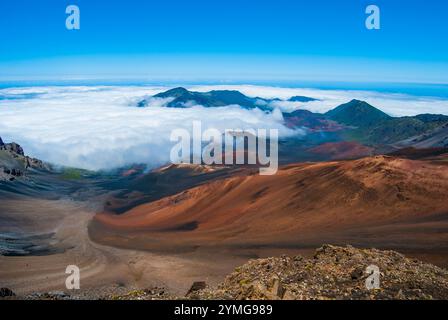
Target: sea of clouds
x: 100, y: 127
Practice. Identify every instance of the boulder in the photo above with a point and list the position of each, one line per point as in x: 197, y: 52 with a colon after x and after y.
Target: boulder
x: 6, y: 292
x: 198, y: 285
x: 277, y: 289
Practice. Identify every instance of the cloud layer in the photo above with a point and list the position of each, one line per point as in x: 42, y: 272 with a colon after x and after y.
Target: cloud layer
x: 99, y: 127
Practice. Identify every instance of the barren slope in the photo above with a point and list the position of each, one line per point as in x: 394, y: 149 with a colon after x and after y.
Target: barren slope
x: 378, y: 201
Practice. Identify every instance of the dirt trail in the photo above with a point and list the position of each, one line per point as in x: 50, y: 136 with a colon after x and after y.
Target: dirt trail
x: 104, y: 270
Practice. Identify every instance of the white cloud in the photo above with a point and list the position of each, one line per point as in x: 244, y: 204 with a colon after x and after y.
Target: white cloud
x: 101, y: 127
x: 98, y: 127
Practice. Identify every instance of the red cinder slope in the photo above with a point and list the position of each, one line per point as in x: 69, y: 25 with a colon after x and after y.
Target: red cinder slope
x: 377, y: 201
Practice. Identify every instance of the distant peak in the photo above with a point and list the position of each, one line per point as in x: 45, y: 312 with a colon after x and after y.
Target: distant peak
x: 301, y: 99
x: 175, y: 92
x: 178, y: 89
x: 357, y: 113
x: 359, y: 103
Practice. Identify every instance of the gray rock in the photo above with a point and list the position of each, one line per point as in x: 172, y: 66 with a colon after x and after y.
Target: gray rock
x: 14, y: 163
x: 14, y: 148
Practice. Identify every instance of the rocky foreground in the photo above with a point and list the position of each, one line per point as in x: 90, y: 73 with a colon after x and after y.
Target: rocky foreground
x: 333, y: 273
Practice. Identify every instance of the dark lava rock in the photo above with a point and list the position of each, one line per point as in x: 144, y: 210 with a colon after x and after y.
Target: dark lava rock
x: 198, y: 285
x: 357, y: 273
x: 6, y: 292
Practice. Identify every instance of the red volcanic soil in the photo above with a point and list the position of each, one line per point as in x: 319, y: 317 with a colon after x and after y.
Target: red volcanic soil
x: 381, y: 201
x: 342, y: 150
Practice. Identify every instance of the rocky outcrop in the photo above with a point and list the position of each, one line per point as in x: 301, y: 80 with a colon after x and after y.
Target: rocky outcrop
x: 14, y: 162
x: 334, y: 273
x: 6, y: 292
x: 10, y: 174
x: 337, y: 273
x: 13, y: 148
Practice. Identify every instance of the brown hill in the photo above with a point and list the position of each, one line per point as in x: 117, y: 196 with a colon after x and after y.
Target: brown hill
x: 379, y: 201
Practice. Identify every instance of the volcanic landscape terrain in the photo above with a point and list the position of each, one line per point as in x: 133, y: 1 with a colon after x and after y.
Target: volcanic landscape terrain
x: 358, y: 177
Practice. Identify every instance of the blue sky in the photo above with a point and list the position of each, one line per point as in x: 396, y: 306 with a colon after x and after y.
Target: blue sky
x: 225, y: 40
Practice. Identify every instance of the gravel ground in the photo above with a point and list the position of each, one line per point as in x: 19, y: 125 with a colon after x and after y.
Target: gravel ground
x: 333, y: 273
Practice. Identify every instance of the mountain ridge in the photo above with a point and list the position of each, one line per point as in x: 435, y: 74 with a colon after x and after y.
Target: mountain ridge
x: 356, y: 120
x: 373, y: 126
x: 183, y: 98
